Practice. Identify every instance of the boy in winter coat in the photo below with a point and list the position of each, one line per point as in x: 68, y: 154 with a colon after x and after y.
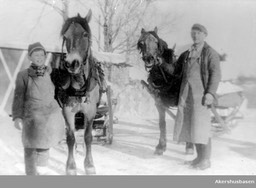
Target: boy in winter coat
x: 36, y: 112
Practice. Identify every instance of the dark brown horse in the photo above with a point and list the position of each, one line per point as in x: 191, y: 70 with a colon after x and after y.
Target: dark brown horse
x: 77, y: 86
x: 163, y: 84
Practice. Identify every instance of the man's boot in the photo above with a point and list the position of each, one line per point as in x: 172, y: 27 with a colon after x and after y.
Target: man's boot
x: 206, y: 155
x: 198, y: 157
x: 30, y: 161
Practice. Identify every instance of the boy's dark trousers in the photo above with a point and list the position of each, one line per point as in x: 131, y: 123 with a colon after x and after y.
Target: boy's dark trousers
x: 34, y: 157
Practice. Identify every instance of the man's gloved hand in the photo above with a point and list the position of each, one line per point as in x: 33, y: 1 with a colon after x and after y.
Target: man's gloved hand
x: 18, y: 123
x: 208, y: 99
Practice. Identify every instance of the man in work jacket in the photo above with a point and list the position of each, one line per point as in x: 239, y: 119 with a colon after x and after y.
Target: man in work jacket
x: 200, y: 70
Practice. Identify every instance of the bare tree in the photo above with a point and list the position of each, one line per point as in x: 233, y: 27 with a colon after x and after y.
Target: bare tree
x: 121, y: 19
x: 166, y: 22
x: 61, y: 7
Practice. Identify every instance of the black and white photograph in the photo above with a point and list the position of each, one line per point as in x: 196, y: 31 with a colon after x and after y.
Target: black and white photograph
x: 128, y: 88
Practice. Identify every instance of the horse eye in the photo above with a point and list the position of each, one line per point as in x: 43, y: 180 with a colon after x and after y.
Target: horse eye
x: 141, y: 44
x: 67, y: 65
x: 85, y: 34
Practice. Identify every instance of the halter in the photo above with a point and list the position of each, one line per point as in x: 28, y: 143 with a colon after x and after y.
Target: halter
x: 88, y: 53
x: 161, y: 44
x: 159, y: 53
x: 86, y: 87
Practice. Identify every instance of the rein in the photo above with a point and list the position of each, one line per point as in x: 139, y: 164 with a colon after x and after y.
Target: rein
x: 159, y: 54
x: 162, y: 54
x: 163, y: 74
x: 86, y: 87
x: 62, y: 54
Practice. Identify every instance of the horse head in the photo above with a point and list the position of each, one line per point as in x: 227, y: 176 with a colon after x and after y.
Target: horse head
x: 76, y: 35
x: 152, y: 47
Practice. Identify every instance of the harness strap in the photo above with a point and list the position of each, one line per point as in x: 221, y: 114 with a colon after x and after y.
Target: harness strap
x: 62, y: 54
x: 88, y: 86
x: 162, y: 72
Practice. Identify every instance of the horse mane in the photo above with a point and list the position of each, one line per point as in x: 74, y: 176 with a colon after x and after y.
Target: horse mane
x: 79, y: 20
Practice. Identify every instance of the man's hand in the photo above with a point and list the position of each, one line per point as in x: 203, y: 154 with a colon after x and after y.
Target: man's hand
x: 207, y: 99
x: 18, y: 123
x: 159, y: 61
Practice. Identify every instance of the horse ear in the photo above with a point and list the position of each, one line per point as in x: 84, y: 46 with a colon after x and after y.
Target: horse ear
x: 156, y: 30
x: 174, y: 46
x: 143, y: 31
x: 88, y: 16
x: 78, y: 15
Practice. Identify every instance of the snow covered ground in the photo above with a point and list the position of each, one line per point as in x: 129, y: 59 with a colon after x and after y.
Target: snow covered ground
x: 131, y: 152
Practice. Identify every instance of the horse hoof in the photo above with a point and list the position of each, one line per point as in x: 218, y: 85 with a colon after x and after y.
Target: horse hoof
x: 71, y: 172
x: 189, y: 151
x: 90, y: 171
x: 159, y: 152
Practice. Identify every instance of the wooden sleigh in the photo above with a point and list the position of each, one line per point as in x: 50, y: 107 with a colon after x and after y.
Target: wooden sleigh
x: 103, y: 121
x: 224, y: 114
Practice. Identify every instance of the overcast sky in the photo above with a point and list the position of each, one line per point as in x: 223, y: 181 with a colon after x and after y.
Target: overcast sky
x: 231, y: 26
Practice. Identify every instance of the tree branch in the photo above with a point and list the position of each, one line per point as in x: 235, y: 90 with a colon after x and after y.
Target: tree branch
x: 57, y: 9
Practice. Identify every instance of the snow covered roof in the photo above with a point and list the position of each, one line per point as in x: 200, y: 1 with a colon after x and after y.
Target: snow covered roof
x: 109, y: 57
x: 101, y: 56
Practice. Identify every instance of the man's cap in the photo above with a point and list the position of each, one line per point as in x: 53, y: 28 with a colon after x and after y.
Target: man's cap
x: 200, y: 28
x: 35, y: 46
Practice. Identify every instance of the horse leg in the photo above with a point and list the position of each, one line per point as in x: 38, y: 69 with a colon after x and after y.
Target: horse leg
x: 88, y: 161
x: 70, y: 122
x: 161, y: 147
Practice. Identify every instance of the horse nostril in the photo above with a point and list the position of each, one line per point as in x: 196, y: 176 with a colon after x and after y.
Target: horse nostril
x: 75, y: 63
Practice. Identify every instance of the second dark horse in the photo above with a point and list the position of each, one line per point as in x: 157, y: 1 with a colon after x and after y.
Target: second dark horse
x: 164, y: 79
